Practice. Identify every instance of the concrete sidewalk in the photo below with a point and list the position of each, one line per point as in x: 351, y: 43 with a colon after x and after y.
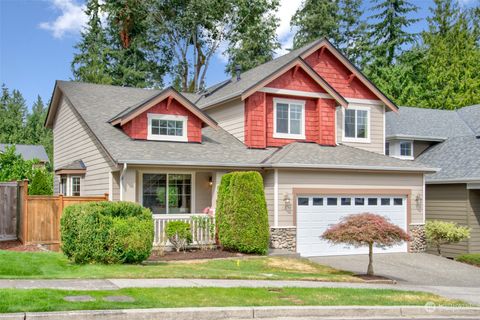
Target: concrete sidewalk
x: 468, y: 294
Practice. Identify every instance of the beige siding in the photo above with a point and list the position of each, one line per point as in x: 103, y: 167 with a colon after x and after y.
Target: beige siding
x: 231, y: 117
x: 72, y: 141
x: 289, y: 179
x: 203, y: 191
x: 419, y: 147
x: 116, y: 185
x: 474, y: 221
x: 377, y: 132
x: 448, y: 202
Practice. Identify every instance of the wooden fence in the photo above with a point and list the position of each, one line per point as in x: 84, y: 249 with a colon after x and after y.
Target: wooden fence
x: 39, y: 220
x: 9, y: 209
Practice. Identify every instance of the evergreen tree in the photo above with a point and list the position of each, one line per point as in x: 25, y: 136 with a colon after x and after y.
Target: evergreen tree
x: 91, y: 63
x: 389, y: 34
x: 36, y: 133
x: 253, y: 39
x: 316, y: 19
x: 12, y: 116
x: 353, y: 39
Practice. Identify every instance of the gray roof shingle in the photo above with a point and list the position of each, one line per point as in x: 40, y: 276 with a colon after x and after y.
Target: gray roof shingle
x: 426, y: 123
x: 458, y: 158
x: 74, y: 165
x: 28, y: 151
x: 471, y: 116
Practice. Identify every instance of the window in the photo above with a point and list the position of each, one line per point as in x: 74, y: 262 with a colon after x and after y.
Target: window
x: 302, y: 201
x: 332, y: 201
x: 167, y: 193
x: 359, y: 201
x: 75, y: 186
x: 289, y: 119
x: 167, y: 127
x: 63, y: 185
x: 356, y: 124
x: 372, y: 201
x: 318, y: 201
x: 387, y: 148
x: 385, y: 201
x: 397, y: 201
x: 346, y: 201
x: 406, y: 148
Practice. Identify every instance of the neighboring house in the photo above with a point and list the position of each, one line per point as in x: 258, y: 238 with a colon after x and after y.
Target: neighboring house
x: 308, y: 121
x: 29, y: 152
x: 450, y: 141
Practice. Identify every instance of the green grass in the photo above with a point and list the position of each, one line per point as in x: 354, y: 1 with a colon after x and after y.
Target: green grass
x: 48, y: 265
x: 471, y: 258
x: 18, y: 300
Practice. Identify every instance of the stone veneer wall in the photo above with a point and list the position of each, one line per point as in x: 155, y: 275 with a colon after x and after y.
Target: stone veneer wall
x: 283, y: 238
x: 419, y: 241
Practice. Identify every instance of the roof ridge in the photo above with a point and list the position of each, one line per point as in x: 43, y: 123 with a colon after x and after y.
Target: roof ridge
x: 288, y: 148
x: 459, y: 114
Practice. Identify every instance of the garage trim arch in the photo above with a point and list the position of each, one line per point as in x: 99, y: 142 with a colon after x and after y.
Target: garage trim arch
x: 298, y: 192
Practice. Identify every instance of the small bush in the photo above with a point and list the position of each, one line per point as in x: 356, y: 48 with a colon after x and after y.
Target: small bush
x: 42, y: 183
x: 107, y: 232
x: 470, y: 258
x: 179, y: 234
x: 443, y: 232
x: 241, y: 216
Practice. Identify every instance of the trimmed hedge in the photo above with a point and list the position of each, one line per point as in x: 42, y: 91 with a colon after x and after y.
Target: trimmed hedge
x: 242, y: 217
x: 107, y: 232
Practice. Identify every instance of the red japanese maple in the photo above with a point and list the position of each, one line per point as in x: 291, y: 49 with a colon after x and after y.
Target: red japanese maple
x: 366, y: 229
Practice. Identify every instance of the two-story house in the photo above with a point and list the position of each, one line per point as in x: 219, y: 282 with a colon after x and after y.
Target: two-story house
x: 450, y: 141
x: 309, y: 121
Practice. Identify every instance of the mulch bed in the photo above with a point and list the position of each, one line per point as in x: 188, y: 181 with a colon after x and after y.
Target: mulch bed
x: 193, y: 255
x: 15, y: 245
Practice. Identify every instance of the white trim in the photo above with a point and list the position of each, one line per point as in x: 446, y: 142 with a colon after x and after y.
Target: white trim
x: 167, y: 172
x: 122, y: 178
x: 110, y: 186
x: 473, y: 186
x: 300, y: 136
x: 160, y: 137
x: 358, y: 140
x: 413, y: 137
x: 364, y: 101
x: 275, y: 197
x: 79, y: 185
x: 299, y: 93
x: 384, y: 130
x: 406, y: 157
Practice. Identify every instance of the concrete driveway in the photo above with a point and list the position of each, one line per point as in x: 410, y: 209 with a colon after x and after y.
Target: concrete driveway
x: 420, y: 271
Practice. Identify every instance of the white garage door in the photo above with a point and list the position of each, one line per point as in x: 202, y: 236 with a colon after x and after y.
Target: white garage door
x: 316, y: 213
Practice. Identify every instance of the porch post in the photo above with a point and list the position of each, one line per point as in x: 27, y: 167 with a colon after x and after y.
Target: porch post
x: 216, y: 179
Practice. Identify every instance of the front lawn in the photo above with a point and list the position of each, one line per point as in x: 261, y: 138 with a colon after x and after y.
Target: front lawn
x: 18, y: 300
x: 49, y: 265
x: 470, y: 258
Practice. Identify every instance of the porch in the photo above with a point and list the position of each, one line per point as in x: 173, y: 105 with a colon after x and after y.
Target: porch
x: 171, y: 194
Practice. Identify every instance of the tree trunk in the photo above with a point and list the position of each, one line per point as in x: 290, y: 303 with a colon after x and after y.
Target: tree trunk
x: 439, y: 251
x: 370, y: 259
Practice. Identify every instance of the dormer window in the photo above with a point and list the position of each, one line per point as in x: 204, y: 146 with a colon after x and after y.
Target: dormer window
x: 167, y: 127
x: 406, y: 148
x: 289, y: 119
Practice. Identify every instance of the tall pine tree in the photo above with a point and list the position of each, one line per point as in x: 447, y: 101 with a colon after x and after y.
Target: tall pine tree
x: 353, y: 38
x: 12, y: 116
x: 90, y: 63
x: 316, y: 19
x: 36, y: 133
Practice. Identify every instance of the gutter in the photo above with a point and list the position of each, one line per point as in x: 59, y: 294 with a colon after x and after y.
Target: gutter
x: 414, y: 137
x: 274, y: 166
x: 456, y: 180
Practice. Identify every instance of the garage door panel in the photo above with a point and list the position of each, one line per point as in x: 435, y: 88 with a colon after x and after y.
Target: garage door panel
x: 313, y: 220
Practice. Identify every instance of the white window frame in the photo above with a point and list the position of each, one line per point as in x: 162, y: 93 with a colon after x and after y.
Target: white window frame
x: 300, y: 136
x: 400, y: 149
x: 192, y: 195
x: 161, y: 137
x: 79, y: 185
x: 352, y: 139
x: 69, y: 184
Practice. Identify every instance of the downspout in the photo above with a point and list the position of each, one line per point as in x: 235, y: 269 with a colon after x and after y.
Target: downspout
x: 122, y: 188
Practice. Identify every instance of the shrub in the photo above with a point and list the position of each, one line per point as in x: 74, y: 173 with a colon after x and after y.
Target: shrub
x: 470, y: 258
x: 241, y: 215
x: 107, y: 232
x: 42, y: 183
x: 443, y: 232
x: 366, y: 229
x: 179, y: 234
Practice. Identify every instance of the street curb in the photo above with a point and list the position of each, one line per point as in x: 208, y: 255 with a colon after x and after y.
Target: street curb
x: 251, y: 313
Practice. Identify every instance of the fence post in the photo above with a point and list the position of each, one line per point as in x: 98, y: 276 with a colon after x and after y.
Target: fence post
x: 106, y: 195
x: 60, y: 208
x: 25, y: 211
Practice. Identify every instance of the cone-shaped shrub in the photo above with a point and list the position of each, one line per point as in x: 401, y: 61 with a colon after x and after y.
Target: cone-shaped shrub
x: 241, y: 215
x: 107, y: 232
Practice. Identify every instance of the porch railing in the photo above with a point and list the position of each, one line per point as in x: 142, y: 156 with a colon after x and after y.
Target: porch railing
x: 200, y: 234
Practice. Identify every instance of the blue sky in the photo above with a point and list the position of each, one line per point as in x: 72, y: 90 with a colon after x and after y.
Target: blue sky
x: 37, y: 39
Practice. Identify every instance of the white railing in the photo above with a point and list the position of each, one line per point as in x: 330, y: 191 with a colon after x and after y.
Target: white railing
x: 200, y: 235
